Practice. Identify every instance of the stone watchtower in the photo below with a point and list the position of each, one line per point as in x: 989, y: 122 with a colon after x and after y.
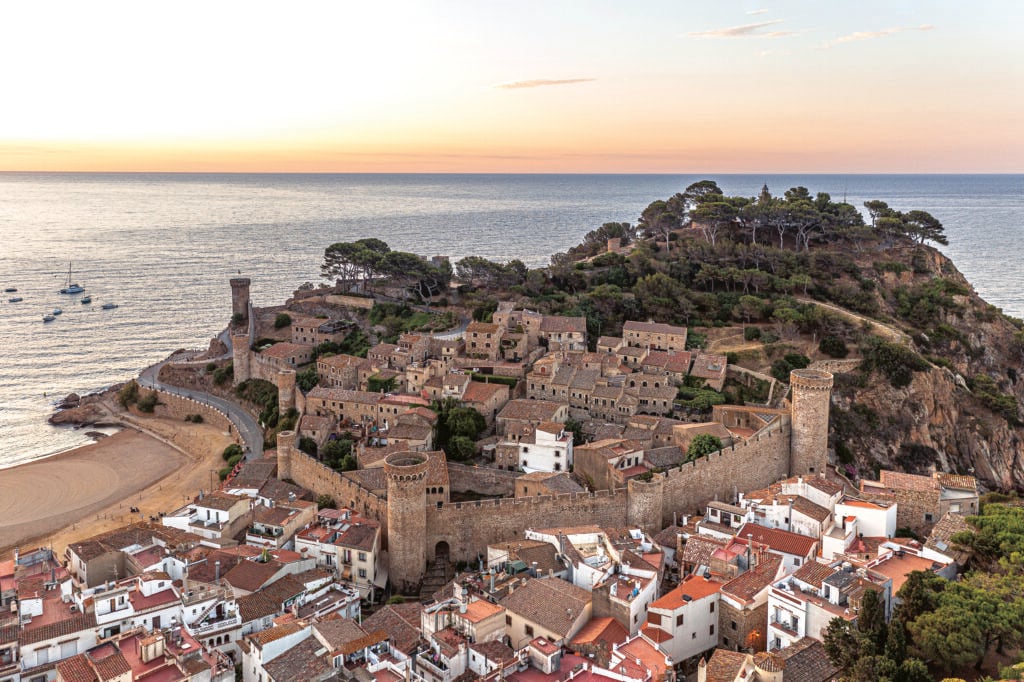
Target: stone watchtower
x: 285, y: 449
x: 241, y: 357
x: 285, y: 390
x: 811, y: 392
x: 240, y: 298
x: 645, y: 505
x: 406, y: 474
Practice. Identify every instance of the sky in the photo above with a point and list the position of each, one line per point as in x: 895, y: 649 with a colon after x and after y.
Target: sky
x: 520, y: 86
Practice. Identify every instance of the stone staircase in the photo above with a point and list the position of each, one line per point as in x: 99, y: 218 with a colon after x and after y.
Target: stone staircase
x: 437, y: 576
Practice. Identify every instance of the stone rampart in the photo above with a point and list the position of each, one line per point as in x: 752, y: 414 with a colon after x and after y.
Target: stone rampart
x: 179, y: 407
x: 752, y: 464
x: 837, y: 366
x: 483, y: 480
x: 468, y: 527
x: 322, y: 480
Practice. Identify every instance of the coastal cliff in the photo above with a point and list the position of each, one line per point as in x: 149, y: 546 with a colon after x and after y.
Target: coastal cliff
x: 961, y: 412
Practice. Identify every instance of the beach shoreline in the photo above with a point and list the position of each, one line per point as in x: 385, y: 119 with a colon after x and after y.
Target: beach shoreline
x: 154, y: 464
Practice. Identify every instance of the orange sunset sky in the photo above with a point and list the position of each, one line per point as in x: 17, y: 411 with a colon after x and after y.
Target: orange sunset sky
x: 471, y: 86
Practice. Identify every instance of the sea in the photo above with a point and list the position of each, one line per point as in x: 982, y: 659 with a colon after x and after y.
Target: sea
x: 162, y: 247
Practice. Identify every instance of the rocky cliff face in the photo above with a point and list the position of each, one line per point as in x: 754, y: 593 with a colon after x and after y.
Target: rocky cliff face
x: 960, y: 414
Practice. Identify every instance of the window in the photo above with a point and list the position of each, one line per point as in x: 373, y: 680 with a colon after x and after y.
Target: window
x: 679, y: 620
x: 362, y: 572
x: 508, y: 619
x: 955, y: 508
x: 928, y: 518
x: 529, y: 630
x: 796, y: 562
x: 711, y: 630
x: 634, y: 617
x: 732, y: 624
x: 362, y: 556
x: 712, y: 607
x: 693, y: 635
x: 725, y: 642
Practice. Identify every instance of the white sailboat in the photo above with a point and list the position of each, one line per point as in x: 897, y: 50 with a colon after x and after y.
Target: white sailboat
x: 69, y: 286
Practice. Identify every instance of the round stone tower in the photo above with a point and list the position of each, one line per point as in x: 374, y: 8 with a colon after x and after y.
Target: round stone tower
x: 645, y: 504
x: 406, y: 474
x: 240, y: 298
x: 241, y: 357
x: 285, y: 390
x: 810, y: 395
x: 285, y: 448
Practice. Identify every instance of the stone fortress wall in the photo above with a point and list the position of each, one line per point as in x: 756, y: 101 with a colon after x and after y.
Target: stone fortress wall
x: 795, y: 444
x: 178, y: 407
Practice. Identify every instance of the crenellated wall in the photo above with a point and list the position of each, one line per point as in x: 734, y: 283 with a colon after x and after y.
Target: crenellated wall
x: 468, y: 527
x: 752, y: 464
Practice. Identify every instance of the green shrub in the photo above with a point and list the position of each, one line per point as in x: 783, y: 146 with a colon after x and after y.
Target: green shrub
x: 307, y: 445
x: 307, y: 379
x: 237, y: 319
x: 129, y: 394
x: 752, y: 333
x: 211, y: 367
x: 194, y: 418
x: 224, y: 374
x: 325, y: 501
x: 282, y: 320
x: 148, y: 402
x: 223, y: 473
x: 231, y: 451
x: 702, y: 445
x: 834, y: 347
x: 235, y: 459
x: 894, y: 360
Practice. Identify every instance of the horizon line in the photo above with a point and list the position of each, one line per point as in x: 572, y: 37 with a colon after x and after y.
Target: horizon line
x: 609, y: 173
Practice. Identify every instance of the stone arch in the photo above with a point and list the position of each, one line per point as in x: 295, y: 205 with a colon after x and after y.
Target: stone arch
x: 442, y: 551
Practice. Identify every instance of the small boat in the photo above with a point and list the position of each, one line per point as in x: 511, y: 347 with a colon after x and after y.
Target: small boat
x: 69, y: 287
x: 57, y: 311
x: 48, y: 318
x: 10, y: 290
x: 86, y: 299
x: 109, y: 306
x: 14, y: 299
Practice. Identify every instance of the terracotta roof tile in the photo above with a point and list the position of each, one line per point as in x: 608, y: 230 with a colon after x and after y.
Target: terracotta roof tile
x: 807, y: 661
x: 692, y: 586
x: 778, y: 539
x: 607, y: 630
x: 76, y: 669
x: 746, y: 585
x: 552, y: 603
x: 300, y: 663
x: 725, y: 665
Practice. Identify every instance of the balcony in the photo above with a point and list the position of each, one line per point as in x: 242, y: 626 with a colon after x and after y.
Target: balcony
x: 214, y: 625
x: 437, y: 669
x: 787, y: 626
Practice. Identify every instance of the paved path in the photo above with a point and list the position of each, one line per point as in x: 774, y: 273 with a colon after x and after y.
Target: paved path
x: 247, y: 427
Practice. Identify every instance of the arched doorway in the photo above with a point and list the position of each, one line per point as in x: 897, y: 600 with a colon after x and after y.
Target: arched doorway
x: 442, y: 551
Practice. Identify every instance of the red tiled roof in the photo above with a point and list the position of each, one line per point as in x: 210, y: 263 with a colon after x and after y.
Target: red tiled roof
x: 778, y: 540
x: 746, y: 585
x: 694, y: 587
x: 606, y: 630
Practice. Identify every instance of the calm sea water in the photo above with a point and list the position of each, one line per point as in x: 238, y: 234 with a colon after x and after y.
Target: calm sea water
x: 163, y: 247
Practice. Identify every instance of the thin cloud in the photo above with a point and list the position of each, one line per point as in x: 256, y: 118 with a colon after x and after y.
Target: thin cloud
x: 541, y: 82
x: 758, y: 11
x: 871, y: 35
x: 744, y: 31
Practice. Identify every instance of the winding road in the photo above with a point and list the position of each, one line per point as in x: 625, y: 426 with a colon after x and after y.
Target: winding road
x: 247, y: 427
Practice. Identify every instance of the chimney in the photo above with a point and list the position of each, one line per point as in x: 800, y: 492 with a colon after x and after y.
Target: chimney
x: 492, y: 580
x: 533, y: 570
x: 749, y: 542
x: 674, y: 519
x: 216, y: 565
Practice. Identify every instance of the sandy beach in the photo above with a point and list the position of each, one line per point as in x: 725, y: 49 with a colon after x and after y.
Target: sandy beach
x: 88, y: 490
